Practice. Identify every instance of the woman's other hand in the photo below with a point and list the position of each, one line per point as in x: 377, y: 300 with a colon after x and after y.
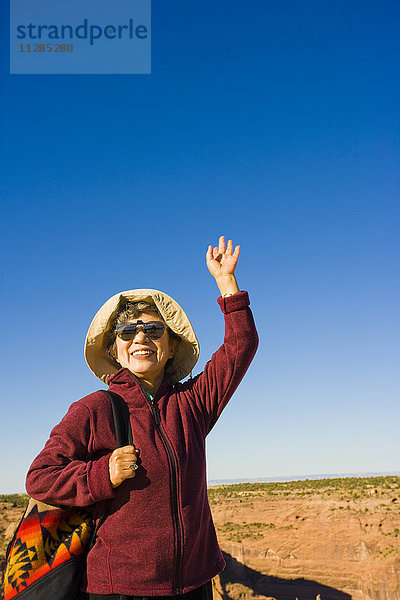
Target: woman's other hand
x: 222, y: 262
x: 119, y: 464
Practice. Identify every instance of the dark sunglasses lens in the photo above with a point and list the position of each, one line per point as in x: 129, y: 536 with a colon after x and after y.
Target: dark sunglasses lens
x: 126, y: 332
x: 154, y: 330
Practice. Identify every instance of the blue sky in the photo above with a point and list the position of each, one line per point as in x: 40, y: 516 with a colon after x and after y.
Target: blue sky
x: 274, y: 123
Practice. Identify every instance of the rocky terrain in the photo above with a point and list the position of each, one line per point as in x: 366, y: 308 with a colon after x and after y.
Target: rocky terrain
x: 332, y: 539
x: 336, y: 539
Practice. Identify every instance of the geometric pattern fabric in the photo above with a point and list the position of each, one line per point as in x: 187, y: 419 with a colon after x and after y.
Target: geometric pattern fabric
x: 46, y: 537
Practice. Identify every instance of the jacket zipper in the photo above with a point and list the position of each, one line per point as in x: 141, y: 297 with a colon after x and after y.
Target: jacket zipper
x: 157, y: 417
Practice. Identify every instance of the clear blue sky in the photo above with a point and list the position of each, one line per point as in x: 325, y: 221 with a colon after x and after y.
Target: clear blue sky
x: 275, y: 123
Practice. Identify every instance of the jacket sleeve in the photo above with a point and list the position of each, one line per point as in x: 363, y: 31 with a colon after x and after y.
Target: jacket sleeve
x: 214, y: 387
x: 62, y: 473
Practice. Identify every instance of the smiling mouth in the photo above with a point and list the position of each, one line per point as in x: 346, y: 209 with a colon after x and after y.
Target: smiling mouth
x: 141, y: 353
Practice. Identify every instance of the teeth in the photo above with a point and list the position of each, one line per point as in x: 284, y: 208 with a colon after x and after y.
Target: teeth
x: 141, y: 352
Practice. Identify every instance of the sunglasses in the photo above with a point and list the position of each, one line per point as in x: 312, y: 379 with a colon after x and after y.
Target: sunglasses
x: 152, y: 329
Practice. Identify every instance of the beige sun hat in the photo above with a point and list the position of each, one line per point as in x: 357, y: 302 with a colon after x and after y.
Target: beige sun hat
x: 174, y: 316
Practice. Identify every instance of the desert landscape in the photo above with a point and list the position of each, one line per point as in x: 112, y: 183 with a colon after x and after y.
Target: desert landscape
x: 326, y: 539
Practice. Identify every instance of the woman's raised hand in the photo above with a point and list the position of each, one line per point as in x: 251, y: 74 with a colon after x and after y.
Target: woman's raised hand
x: 121, y: 463
x: 221, y: 262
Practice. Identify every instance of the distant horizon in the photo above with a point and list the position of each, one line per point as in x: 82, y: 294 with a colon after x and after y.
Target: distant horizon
x: 277, y: 479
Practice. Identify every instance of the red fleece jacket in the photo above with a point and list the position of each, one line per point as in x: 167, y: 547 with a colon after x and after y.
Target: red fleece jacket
x: 158, y: 538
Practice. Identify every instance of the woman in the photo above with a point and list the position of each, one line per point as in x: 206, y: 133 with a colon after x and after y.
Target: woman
x: 158, y: 538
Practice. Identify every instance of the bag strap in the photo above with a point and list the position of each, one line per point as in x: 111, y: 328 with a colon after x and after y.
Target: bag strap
x: 123, y: 434
x: 122, y: 424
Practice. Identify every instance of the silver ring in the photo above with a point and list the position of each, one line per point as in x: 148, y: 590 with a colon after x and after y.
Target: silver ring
x: 133, y: 466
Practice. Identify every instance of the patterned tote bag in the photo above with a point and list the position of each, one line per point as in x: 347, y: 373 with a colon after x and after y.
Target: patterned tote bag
x: 46, y: 557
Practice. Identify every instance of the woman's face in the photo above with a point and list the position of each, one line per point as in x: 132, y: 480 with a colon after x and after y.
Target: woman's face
x: 144, y: 357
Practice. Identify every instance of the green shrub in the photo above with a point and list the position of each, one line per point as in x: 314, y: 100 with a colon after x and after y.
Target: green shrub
x: 17, y: 500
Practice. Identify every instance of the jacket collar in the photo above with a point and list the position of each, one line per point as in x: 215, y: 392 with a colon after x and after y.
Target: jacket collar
x: 123, y: 376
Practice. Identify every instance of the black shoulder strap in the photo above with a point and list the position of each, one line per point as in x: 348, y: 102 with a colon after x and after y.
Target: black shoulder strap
x: 122, y: 424
x: 123, y: 434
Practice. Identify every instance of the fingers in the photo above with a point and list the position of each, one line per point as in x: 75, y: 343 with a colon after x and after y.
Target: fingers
x: 125, y: 455
x: 222, y: 250
x: 125, y: 450
x: 212, y: 253
x: 221, y: 262
x: 119, y: 464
